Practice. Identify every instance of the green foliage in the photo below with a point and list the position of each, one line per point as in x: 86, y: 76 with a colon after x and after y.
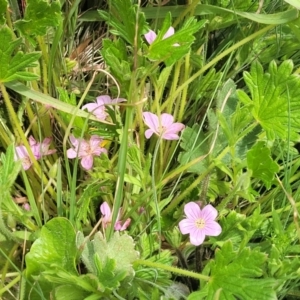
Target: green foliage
x: 274, y: 103
x: 262, y: 165
x: 98, y: 254
x: 176, y: 46
x: 239, y: 229
x: 114, y: 53
x: 122, y: 18
x: 3, y: 8
x: 236, y: 274
x: 13, y: 64
x: 194, y: 143
x: 36, y: 18
x: 54, y: 248
x: 9, y: 170
x: 70, y: 99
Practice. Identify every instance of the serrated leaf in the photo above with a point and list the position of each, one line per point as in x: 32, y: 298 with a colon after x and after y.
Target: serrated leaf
x: 120, y: 248
x: 176, y: 46
x: 12, y: 66
x: 262, y: 165
x: 107, y: 274
x: 39, y: 15
x: 237, y: 275
x: 274, y: 103
x: 55, y: 247
x: 122, y: 18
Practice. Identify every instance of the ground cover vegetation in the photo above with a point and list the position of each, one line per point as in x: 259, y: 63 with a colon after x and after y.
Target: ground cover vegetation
x: 149, y: 149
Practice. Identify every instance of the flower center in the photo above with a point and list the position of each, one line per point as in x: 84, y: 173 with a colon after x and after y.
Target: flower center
x: 200, y: 223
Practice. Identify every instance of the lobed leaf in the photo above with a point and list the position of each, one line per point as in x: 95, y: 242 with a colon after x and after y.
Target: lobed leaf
x: 122, y: 18
x: 37, y: 17
x: 274, y: 99
x: 176, y: 46
x: 262, y: 165
x: 236, y: 275
x: 12, y: 66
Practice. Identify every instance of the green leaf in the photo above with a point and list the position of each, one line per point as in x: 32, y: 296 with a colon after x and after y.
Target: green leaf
x: 295, y: 3
x: 236, y: 275
x: 70, y: 99
x: 204, y: 9
x: 55, y: 247
x: 194, y: 143
x: 70, y: 292
x: 122, y: 18
x: 39, y: 15
x: 274, y: 103
x: 48, y: 100
x: 262, y: 165
x: 120, y: 248
x: 12, y: 63
x: 3, y: 8
x: 239, y: 229
x: 176, y: 46
x: 115, y: 55
x: 108, y: 276
x: 9, y: 170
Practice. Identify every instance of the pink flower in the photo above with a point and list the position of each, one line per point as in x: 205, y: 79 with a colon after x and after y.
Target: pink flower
x: 98, y: 108
x: 38, y: 150
x: 22, y: 154
x: 107, y: 215
x: 151, y: 35
x: 26, y: 206
x: 199, y: 223
x: 86, y: 150
x: 163, y: 126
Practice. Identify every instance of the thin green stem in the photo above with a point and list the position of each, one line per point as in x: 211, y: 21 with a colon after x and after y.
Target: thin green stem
x: 10, y: 285
x: 219, y: 57
x: 171, y: 269
x: 121, y: 169
x: 155, y: 191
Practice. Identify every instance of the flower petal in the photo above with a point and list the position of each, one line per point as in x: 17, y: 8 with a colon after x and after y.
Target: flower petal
x: 95, y: 141
x: 186, y: 226
x: 151, y: 120
x: 197, y: 237
x: 212, y: 228
x: 192, y: 211
x: 175, y: 128
x: 166, y: 120
x: 209, y: 213
x: 105, y: 210
x: 87, y: 162
x: 170, y: 136
x: 169, y: 32
x: 71, y: 153
x: 118, y: 100
x: 148, y: 133
x: 150, y: 37
x: 102, y: 100
x: 90, y: 107
x: 74, y: 141
x: 32, y: 141
x: 21, y: 152
x: 121, y: 227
